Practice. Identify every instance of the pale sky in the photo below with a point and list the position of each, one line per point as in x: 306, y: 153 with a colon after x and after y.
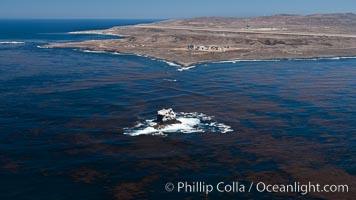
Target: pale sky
x: 165, y: 9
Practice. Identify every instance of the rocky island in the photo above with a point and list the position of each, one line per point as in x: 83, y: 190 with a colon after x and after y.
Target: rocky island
x: 190, y: 41
x: 166, y: 117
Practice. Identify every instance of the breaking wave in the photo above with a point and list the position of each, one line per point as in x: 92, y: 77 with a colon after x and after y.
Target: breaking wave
x: 104, y: 52
x: 191, y: 123
x: 92, y: 51
x: 11, y: 42
x: 235, y: 61
x: 331, y: 58
x: 179, y: 67
x: 277, y: 60
x: 171, y: 63
x: 170, y: 80
x: 185, y: 68
x: 42, y: 47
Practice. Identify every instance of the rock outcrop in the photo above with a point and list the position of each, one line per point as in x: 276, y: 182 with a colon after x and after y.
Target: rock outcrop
x: 166, y: 117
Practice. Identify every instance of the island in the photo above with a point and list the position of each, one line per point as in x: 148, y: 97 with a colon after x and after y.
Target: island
x: 190, y: 41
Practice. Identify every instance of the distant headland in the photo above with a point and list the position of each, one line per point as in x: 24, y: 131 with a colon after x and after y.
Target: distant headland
x: 190, y: 41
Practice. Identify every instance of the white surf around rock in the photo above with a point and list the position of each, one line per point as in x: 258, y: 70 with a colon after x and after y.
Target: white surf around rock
x: 189, y: 123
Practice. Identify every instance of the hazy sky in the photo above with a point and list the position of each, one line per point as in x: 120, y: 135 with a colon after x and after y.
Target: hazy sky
x: 164, y: 9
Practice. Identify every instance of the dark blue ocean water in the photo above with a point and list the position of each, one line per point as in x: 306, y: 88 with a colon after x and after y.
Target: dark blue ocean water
x: 64, y: 112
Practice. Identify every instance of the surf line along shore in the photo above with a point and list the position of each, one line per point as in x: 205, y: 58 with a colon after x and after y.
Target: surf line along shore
x: 191, y: 41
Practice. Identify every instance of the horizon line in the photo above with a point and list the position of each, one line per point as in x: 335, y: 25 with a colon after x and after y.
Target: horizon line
x: 192, y: 17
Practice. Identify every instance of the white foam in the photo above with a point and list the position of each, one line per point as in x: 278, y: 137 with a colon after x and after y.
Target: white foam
x: 336, y: 58
x: 43, y: 47
x: 291, y: 59
x: 91, y: 51
x: 191, y: 123
x: 304, y: 59
x: 171, y: 63
x: 99, y: 52
x: 235, y: 61
x: 185, y: 68
x: 351, y: 57
x: 170, y: 80
x: 12, y: 42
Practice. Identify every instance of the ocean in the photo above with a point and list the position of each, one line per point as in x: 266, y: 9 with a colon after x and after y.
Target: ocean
x: 78, y: 125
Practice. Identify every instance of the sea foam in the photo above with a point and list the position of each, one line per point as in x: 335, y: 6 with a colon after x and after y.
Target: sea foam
x: 170, y: 63
x: 236, y: 61
x: 186, y: 68
x: 12, y: 42
x: 290, y: 59
x: 91, y: 51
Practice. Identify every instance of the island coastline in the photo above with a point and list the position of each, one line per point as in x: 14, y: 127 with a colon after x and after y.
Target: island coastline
x: 200, y: 40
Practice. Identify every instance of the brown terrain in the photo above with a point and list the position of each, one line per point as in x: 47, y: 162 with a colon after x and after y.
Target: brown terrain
x: 197, y: 40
